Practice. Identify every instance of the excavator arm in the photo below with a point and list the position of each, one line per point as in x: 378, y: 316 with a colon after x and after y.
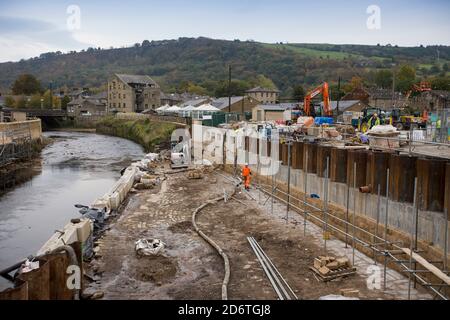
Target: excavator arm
x: 324, y: 90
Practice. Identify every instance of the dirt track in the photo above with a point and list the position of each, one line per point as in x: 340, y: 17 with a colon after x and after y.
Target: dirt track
x: 189, y: 267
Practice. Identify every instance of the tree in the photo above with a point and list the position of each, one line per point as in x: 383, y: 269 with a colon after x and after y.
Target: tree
x: 405, y: 78
x: 35, y: 101
x: 435, y: 69
x: 263, y: 81
x: 355, y: 83
x: 383, y: 79
x: 50, y: 100
x: 9, y: 102
x: 440, y: 83
x: 298, y: 93
x: 26, y: 84
x: 64, y: 102
x: 21, y: 103
x: 238, y: 88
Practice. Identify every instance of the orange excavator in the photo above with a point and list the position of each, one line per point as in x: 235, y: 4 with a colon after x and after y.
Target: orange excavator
x: 322, y: 89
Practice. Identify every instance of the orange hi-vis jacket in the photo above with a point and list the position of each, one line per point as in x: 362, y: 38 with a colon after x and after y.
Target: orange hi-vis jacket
x: 246, y: 172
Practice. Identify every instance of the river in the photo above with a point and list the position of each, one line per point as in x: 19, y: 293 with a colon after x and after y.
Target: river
x: 75, y: 168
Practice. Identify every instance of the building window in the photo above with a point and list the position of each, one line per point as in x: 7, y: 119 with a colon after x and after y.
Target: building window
x: 124, y: 87
x: 146, y: 106
x: 119, y: 95
x: 146, y: 95
x: 124, y: 96
x: 114, y: 104
x: 124, y: 105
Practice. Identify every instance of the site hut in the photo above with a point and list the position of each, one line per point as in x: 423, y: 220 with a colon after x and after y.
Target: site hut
x: 133, y: 93
x: 264, y: 95
x: 273, y: 112
x: 349, y: 109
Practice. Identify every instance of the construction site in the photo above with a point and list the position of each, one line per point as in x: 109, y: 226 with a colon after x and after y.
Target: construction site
x: 259, y: 211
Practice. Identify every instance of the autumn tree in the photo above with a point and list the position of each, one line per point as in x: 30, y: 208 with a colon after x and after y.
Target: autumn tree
x: 26, y: 84
x: 298, y: 93
x: 405, y: 78
x: 383, y: 79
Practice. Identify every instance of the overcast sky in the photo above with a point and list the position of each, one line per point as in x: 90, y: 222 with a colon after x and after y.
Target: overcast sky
x: 31, y: 27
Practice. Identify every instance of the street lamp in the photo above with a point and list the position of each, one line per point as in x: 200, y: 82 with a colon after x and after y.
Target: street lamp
x: 42, y: 103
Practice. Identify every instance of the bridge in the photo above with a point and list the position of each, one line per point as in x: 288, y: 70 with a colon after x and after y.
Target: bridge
x: 38, y: 113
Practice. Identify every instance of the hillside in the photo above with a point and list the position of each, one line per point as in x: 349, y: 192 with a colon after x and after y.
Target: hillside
x: 204, y: 62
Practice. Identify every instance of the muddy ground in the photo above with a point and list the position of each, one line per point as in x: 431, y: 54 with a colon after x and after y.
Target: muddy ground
x: 189, y: 268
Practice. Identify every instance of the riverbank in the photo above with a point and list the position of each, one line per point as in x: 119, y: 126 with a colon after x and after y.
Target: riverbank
x: 148, y: 134
x: 22, y: 170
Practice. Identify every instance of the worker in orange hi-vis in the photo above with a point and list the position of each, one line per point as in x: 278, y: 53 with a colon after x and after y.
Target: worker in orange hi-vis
x: 246, y: 173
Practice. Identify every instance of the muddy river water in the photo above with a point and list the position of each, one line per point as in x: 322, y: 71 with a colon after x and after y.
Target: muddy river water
x: 75, y: 168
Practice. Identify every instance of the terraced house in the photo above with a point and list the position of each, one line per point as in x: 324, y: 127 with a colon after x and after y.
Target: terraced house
x: 133, y: 93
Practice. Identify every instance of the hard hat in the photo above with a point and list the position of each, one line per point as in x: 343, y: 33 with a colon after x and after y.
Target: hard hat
x: 375, y: 114
x: 246, y: 164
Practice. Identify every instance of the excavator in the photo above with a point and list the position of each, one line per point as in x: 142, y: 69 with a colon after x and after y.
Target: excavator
x: 322, y: 89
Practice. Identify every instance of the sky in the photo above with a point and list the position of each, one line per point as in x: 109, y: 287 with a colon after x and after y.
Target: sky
x: 31, y: 27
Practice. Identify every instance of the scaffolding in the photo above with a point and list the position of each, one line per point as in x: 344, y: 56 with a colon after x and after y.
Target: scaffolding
x: 407, y: 259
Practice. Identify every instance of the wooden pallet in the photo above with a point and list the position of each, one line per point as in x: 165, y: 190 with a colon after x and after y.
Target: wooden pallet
x: 334, y: 274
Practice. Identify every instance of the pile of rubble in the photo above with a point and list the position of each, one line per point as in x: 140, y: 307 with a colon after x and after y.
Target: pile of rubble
x: 328, y: 267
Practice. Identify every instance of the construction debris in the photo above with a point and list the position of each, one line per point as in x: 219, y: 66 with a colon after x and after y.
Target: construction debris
x: 349, y: 293
x: 329, y: 268
x: 195, y: 174
x: 149, y: 247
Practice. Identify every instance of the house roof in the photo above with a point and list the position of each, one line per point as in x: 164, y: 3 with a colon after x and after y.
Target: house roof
x: 441, y: 93
x: 194, y: 102
x: 222, y: 103
x: 100, y: 95
x: 139, y: 79
x: 80, y: 101
x: 377, y: 93
x: 170, y: 96
x: 261, y: 89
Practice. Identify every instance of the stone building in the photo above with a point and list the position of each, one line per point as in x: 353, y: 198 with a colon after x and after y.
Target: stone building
x: 133, y: 93
x: 264, y: 95
x: 88, y: 106
x: 238, y: 104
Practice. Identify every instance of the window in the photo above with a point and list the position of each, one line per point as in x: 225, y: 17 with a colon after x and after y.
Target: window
x: 114, y: 104
x: 124, y: 87
x: 124, y: 96
x: 119, y: 95
x: 146, y: 95
x: 146, y: 106
x: 124, y: 105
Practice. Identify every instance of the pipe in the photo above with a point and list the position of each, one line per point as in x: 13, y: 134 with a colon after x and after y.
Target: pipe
x: 226, y: 278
